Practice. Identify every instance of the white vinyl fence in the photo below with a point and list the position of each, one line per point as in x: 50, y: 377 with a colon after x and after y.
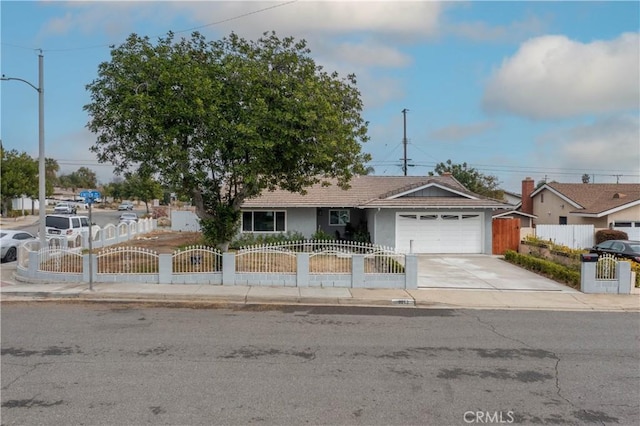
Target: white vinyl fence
x: 632, y: 233
x: 572, y: 236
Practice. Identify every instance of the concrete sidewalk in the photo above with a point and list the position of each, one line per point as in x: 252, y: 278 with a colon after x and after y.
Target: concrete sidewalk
x: 190, y: 295
x: 18, y: 222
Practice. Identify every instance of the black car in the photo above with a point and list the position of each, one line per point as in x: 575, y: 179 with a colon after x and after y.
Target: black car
x: 619, y: 248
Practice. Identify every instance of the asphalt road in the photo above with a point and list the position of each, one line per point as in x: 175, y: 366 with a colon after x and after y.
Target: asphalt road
x: 116, y: 364
x: 98, y: 216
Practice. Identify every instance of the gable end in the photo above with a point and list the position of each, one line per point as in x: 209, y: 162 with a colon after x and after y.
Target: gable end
x: 431, y: 190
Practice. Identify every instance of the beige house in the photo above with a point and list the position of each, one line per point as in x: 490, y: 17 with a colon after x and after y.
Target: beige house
x: 603, y: 205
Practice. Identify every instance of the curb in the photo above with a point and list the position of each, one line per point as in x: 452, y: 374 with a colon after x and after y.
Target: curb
x: 187, y: 301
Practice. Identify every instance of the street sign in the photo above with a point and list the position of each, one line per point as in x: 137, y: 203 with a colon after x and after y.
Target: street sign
x: 89, y: 196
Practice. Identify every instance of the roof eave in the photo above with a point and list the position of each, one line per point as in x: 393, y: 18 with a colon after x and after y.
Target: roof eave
x: 607, y: 212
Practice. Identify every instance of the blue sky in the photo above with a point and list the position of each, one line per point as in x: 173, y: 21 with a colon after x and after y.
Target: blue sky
x: 515, y: 89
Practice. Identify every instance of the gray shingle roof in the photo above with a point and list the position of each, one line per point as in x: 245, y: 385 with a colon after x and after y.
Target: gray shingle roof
x: 374, y: 191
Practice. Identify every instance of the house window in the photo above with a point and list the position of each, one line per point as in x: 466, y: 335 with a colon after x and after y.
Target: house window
x: 562, y: 220
x: 263, y: 221
x: 541, y: 197
x: 339, y: 217
x: 408, y: 216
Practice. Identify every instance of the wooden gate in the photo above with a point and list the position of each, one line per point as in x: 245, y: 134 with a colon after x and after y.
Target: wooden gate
x: 506, y: 234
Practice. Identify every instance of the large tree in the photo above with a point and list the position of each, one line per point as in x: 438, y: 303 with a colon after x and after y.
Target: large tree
x: 471, y: 178
x: 18, y: 176
x: 143, y: 188
x: 51, y: 168
x: 225, y: 120
x: 82, y: 178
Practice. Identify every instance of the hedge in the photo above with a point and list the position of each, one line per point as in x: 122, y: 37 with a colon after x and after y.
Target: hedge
x: 610, y: 234
x: 544, y: 267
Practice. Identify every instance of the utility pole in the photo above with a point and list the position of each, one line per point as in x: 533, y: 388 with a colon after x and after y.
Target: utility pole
x: 41, y: 163
x: 404, y: 141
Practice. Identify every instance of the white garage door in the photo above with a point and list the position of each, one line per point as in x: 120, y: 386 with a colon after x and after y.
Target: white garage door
x: 436, y: 232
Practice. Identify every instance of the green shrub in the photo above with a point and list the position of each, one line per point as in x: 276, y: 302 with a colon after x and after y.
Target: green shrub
x: 320, y: 235
x: 250, y: 239
x: 610, y: 234
x: 544, y: 267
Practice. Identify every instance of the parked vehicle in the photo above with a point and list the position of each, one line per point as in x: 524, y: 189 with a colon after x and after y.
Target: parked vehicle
x: 128, y: 217
x: 10, y: 240
x: 69, y: 226
x: 64, y: 208
x: 125, y: 205
x: 620, y: 248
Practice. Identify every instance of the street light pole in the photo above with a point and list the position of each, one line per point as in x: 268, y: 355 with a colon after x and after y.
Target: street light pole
x: 42, y: 201
x: 41, y: 163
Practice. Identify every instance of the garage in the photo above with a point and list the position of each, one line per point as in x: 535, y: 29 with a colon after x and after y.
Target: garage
x: 439, y: 232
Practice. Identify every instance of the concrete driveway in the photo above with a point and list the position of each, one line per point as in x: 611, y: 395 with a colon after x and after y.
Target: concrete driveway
x: 480, y: 272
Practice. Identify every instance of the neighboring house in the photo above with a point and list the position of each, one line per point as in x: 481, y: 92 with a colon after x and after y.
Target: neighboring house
x: 602, y: 205
x: 24, y: 203
x: 425, y: 214
x: 526, y: 220
x: 512, y: 198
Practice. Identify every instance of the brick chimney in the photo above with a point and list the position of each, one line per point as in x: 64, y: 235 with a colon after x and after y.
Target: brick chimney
x: 528, y: 185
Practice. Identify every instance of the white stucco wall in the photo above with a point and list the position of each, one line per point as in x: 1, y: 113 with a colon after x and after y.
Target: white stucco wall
x: 302, y: 220
x: 631, y: 214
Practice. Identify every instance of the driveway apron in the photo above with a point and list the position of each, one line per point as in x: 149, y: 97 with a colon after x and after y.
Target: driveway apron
x: 483, y: 272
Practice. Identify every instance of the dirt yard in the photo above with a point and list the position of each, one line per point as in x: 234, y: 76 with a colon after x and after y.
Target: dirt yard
x: 164, y: 241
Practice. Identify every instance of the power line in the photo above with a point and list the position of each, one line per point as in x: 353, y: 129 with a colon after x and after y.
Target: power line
x: 264, y: 9
x: 528, y: 170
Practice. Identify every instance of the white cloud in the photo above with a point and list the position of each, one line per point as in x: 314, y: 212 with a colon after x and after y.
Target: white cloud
x: 611, y: 144
x: 460, y: 132
x: 554, y: 77
x: 606, y: 147
x: 406, y: 19
x: 400, y: 18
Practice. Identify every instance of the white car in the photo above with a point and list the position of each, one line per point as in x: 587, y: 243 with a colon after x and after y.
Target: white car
x: 125, y: 205
x: 10, y: 240
x: 128, y: 217
x: 64, y: 208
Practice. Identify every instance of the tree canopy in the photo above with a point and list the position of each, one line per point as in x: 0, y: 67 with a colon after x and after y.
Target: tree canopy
x: 143, y: 188
x: 82, y: 178
x: 471, y: 179
x: 51, y: 168
x: 225, y: 120
x: 18, y: 176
